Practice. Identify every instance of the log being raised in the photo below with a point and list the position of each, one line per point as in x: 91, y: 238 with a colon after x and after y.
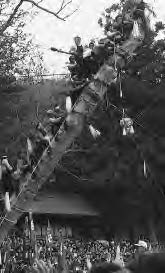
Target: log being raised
x: 85, y: 106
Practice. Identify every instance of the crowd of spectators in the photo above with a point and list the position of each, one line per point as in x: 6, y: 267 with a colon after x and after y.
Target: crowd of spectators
x: 19, y: 252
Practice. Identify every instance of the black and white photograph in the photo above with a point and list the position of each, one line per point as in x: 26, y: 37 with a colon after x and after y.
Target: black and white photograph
x: 82, y: 136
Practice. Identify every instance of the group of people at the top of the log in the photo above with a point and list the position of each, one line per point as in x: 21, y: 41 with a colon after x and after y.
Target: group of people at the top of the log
x: 37, y: 142
x: 84, y: 61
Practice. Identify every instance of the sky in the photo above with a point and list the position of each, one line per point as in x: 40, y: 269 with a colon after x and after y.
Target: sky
x: 48, y: 31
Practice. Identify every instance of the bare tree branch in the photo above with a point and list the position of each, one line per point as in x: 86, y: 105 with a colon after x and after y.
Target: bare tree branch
x: 70, y: 14
x: 56, y: 14
x: 63, y: 5
x: 7, y: 24
x: 44, y: 9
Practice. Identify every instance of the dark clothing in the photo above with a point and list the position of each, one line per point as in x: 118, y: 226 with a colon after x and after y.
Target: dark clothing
x: 80, y: 50
x: 148, y: 263
x: 7, y: 182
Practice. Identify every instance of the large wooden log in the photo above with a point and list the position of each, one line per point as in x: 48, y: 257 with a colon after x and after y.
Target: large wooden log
x: 85, y: 106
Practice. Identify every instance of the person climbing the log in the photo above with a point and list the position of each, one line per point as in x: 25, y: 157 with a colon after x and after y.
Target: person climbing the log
x: 139, y: 10
x: 42, y: 141
x: 7, y: 181
x: 92, y: 44
x: 127, y: 24
x: 22, y: 168
x: 55, y: 119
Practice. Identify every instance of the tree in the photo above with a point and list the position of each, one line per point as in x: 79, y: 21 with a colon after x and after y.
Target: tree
x: 15, y: 42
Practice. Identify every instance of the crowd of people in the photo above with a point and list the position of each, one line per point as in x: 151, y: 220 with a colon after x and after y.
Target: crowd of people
x: 64, y: 249
x: 77, y: 255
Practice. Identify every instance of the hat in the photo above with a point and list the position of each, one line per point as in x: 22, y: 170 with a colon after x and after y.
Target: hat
x: 141, y: 244
x: 50, y: 112
x: 4, y: 157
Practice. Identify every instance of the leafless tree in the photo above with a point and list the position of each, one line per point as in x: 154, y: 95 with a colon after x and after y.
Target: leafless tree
x: 57, y: 14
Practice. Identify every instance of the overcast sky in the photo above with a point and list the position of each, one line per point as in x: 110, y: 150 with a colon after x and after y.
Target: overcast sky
x: 49, y: 31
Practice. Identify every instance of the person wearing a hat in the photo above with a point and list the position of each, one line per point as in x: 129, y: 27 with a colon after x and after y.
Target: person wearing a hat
x: 55, y: 119
x: 79, y: 56
x: 141, y: 250
x: 79, y: 47
x: 141, y: 247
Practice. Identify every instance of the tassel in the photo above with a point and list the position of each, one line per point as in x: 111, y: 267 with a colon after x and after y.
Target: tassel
x: 132, y: 130
x: 0, y: 172
x: 145, y: 169
x: 41, y: 129
x: 7, y: 202
x: 31, y: 221
x: 124, y: 132
x: 135, y: 31
x: 95, y: 133
x: 4, y: 259
x: 48, y: 139
x: 68, y: 105
x: 121, y: 93
x: 29, y: 146
x: 61, y: 249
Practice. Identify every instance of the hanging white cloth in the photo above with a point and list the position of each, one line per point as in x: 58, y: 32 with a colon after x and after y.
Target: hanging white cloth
x: 7, y: 202
x: 145, y: 169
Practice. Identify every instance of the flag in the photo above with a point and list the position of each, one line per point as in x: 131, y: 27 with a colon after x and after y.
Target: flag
x: 26, y: 239
x: 62, y: 262
x: 49, y: 238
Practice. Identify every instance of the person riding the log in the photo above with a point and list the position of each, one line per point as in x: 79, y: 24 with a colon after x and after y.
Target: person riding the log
x: 79, y: 48
x: 79, y: 56
x: 90, y: 60
x: 72, y: 65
